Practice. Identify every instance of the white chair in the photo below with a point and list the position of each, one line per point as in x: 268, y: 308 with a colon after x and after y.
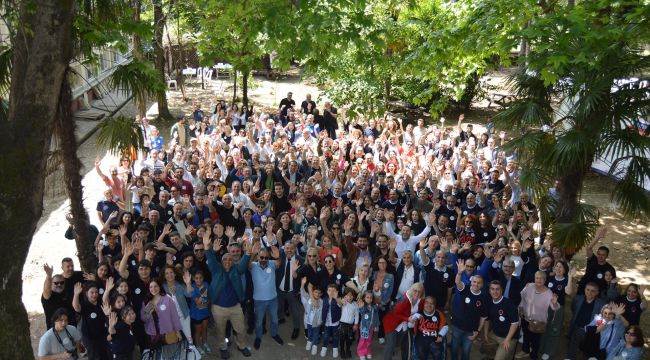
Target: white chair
x: 171, y: 82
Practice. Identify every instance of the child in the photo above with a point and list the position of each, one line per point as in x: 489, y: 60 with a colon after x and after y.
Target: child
x: 331, y: 316
x: 368, y: 323
x: 349, y: 322
x: 122, y: 338
x: 313, y: 305
x: 200, y: 312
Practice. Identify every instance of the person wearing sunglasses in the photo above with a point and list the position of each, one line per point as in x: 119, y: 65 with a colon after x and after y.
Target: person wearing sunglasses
x: 630, y: 347
x: 265, y: 294
x: 54, y: 296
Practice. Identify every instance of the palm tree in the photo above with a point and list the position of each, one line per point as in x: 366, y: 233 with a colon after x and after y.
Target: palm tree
x: 570, y: 112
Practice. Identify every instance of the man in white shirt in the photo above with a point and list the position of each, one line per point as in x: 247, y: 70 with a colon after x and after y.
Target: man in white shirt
x: 404, y: 239
x: 239, y: 197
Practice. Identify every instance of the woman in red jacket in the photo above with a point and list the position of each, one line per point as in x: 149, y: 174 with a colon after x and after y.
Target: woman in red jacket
x: 402, y: 318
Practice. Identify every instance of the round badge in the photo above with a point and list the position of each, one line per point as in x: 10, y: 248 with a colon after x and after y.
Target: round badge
x: 465, y: 212
x: 366, y: 317
x: 434, y: 319
x: 485, y: 234
x: 183, y: 187
x: 599, y: 275
x: 169, y: 212
x: 101, y: 291
x: 338, y: 276
x: 163, y: 307
x: 452, y: 218
x: 137, y: 291
x: 66, y: 340
x: 93, y: 315
x: 162, y: 188
x: 624, y: 354
x: 268, y: 270
x: 445, y: 275
x: 501, y: 318
x: 174, y: 258
x: 386, y: 285
x: 550, y: 285
x: 467, y: 300
x: 133, y: 262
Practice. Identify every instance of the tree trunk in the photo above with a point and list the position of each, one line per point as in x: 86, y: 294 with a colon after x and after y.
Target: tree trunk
x: 244, y: 88
x: 42, y: 52
x: 136, y: 42
x: 159, y: 55
x: 234, y: 87
x: 387, y: 89
x: 181, y: 62
x: 64, y: 128
x: 570, y: 186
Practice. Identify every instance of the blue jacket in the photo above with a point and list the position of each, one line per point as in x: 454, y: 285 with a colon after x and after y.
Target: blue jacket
x: 181, y: 294
x: 368, y: 317
x: 386, y: 287
x: 219, y: 275
x: 336, y: 310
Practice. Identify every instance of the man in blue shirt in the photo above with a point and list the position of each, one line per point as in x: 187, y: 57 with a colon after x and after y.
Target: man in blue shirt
x: 504, y: 320
x: 265, y: 294
x: 468, y: 314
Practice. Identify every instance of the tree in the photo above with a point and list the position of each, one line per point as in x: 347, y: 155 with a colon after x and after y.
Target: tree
x: 577, y: 53
x: 42, y: 51
x: 159, y: 21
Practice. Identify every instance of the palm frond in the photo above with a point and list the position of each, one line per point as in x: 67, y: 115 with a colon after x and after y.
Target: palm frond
x: 120, y: 135
x: 6, y: 61
x: 138, y: 78
x: 573, y: 149
x: 578, y: 232
x: 629, y: 193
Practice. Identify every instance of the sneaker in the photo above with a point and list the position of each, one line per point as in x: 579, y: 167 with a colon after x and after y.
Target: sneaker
x: 314, y: 350
x: 382, y: 341
x: 207, y: 348
x: 362, y: 358
x: 278, y: 339
x: 323, y: 351
x: 225, y: 354
x: 258, y: 342
x: 245, y: 351
x: 308, y: 347
x: 521, y: 354
x: 335, y: 353
x: 369, y: 356
x: 201, y: 351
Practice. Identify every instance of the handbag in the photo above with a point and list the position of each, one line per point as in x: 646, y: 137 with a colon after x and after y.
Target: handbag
x: 171, y: 338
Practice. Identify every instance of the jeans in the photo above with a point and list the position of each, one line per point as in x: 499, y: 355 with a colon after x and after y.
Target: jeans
x: 427, y: 347
x: 331, y: 331
x: 263, y: 307
x: 460, y: 342
x: 313, y: 334
x: 531, y: 342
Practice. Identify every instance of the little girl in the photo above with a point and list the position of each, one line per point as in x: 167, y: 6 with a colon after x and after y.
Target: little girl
x: 313, y: 304
x: 368, y: 323
x: 200, y: 312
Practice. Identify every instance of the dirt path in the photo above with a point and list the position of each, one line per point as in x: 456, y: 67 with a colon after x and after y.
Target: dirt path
x: 629, y: 240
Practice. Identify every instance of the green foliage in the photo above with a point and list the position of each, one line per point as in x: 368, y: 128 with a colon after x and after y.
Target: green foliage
x: 570, y: 111
x: 138, y: 78
x: 119, y: 135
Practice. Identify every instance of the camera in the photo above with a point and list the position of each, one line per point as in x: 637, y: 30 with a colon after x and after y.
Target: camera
x: 73, y: 354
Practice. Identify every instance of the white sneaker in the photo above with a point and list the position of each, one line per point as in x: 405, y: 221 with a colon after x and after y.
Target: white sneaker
x: 369, y: 356
x: 382, y: 341
x: 323, y: 351
x: 335, y: 353
x: 308, y: 347
x: 314, y: 350
x: 362, y: 358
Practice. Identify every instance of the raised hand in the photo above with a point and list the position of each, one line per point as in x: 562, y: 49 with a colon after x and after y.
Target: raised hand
x: 256, y: 248
x: 423, y: 243
x: 110, y: 283
x: 167, y: 229
x: 49, y: 270
x: 461, y: 265
x: 123, y: 230
x: 112, y: 319
x: 275, y: 252
x: 187, y: 278
x: 230, y: 232
x: 216, y: 246
x: 106, y: 308
x: 78, y: 288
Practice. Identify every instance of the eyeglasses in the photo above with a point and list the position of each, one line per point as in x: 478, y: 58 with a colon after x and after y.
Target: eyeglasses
x: 630, y: 333
x: 58, y: 282
x: 198, y: 250
x: 264, y: 258
x: 336, y: 228
x: 329, y: 262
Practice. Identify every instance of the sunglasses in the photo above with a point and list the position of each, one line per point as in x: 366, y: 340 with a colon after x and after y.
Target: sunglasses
x: 58, y: 282
x: 329, y: 262
x: 198, y: 250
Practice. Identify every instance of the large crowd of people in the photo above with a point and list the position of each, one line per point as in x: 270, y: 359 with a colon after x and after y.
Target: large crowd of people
x: 350, y: 233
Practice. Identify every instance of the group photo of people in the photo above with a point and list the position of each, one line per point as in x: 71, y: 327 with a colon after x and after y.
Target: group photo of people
x: 343, y: 237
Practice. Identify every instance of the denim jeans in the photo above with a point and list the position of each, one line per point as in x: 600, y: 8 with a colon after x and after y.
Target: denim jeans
x: 428, y: 348
x: 331, y: 331
x: 263, y: 307
x: 313, y: 334
x: 461, y: 345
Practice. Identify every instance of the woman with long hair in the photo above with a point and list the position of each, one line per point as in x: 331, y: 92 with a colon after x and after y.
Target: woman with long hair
x: 179, y: 292
x: 630, y: 347
x: 161, y: 320
x: 397, y: 320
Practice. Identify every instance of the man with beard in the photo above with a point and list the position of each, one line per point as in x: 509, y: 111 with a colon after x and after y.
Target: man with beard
x: 358, y: 254
x: 54, y: 296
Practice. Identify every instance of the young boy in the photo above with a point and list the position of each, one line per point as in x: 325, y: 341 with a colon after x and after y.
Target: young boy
x: 313, y: 304
x: 349, y: 322
x: 331, y: 317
